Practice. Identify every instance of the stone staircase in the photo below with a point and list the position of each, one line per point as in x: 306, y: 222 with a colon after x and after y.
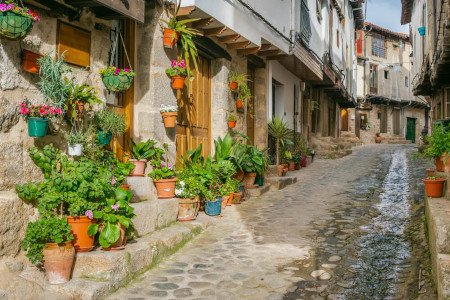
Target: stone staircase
x: 331, y: 148
x: 398, y: 140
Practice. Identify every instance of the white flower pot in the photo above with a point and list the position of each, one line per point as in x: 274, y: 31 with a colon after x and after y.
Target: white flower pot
x: 75, y: 150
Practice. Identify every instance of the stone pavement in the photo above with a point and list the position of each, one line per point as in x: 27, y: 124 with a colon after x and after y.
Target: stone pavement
x: 265, y: 248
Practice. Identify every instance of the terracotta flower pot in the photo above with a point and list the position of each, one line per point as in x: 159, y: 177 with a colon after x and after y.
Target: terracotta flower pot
x: 291, y: 166
x: 188, y: 209
x: 249, y: 180
x: 169, y: 119
x: 29, y: 61
x: 125, y: 186
x: 230, y: 199
x: 231, y: 124
x: 170, y: 38
x: 304, y: 161
x: 280, y: 170
x: 297, y: 166
x: 434, y: 188
x: 239, y: 104
x: 378, y: 139
x: 139, y: 167
x: 79, y: 228
x: 237, y: 198
x: 224, y: 202
x: 439, y: 164
x: 233, y: 85
x: 239, y: 175
x: 58, y: 262
x: 121, y: 242
x: 431, y: 172
x: 165, y: 188
x: 177, y: 82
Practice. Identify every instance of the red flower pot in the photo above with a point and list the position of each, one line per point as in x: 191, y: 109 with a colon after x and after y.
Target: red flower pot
x: 170, y: 38
x: 231, y: 124
x: 239, y: 104
x: 177, y: 82
x: 434, y: 188
x: 29, y: 61
x: 233, y: 85
x: 165, y: 188
x: 169, y: 119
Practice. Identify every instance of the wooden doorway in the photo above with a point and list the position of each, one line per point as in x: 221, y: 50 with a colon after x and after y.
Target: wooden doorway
x: 123, y: 102
x: 194, y: 121
x: 411, y: 129
x: 396, y: 121
x: 344, y: 119
x: 251, y: 106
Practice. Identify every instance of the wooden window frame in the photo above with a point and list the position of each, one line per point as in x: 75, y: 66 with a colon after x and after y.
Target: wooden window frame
x: 58, y: 45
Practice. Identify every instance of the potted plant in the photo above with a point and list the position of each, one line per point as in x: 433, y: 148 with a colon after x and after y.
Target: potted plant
x: 75, y: 140
x: 30, y: 61
x: 213, y: 198
x: 163, y: 175
x: 290, y: 160
x: 169, y: 114
x: 38, y: 117
x: 113, y: 221
x: 234, y: 186
x: 140, y: 154
x: 438, y: 145
x: 116, y: 79
x: 237, y: 194
x: 434, y: 186
x: 177, y: 72
x: 236, y: 80
x: 378, y: 138
x: 51, y: 83
x: 244, y: 94
x: 80, y: 97
x: 16, y: 21
x: 254, y: 164
x: 283, y: 137
x: 48, y: 241
x: 226, y: 190
x: 108, y: 123
x: 187, y: 190
x: 232, y: 119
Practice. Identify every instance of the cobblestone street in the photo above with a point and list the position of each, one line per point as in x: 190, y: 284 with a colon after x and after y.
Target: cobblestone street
x: 305, y: 241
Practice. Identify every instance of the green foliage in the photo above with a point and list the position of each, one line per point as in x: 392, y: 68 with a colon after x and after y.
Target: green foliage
x: 232, y: 118
x: 80, y: 93
x: 51, y: 83
x: 145, y: 150
x: 188, y: 185
x: 193, y: 158
x: 223, y: 147
x: 438, y: 142
x: 229, y: 187
x: 108, y: 120
x: 75, y: 137
x: 42, y: 231
x: 114, y: 212
x: 241, y: 79
x: 282, y: 134
x: 222, y: 169
x: 114, y: 71
x: 163, y: 172
x: 46, y: 159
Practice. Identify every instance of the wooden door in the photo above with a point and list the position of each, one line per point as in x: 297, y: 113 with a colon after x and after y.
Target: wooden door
x: 251, y: 107
x: 194, y: 114
x: 411, y: 129
x: 123, y: 102
x: 344, y: 119
x: 396, y: 121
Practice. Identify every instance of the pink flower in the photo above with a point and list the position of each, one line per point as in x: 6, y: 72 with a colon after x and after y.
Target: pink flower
x: 126, y: 70
x: 113, y: 180
x: 24, y: 111
x: 182, y: 64
x: 43, y: 111
x: 115, y: 207
x: 170, y: 166
x: 117, y: 72
x: 163, y: 165
x: 58, y: 111
x: 174, y: 63
x: 89, y: 214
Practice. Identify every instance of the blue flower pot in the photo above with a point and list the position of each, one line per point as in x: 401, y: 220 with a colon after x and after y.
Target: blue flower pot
x: 422, y: 30
x: 37, y: 127
x: 213, y: 208
x: 104, y: 138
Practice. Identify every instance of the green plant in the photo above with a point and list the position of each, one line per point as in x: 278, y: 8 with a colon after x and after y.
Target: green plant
x: 288, y: 155
x: 121, y: 170
x: 211, y: 191
x: 162, y: 168
x: 188, y: 185
x: 108, y: 120
x: 228, y: 187
x: 232, y: 118
x: 45, y: 230
x: 223, y: 147
x: 438, y: 142
x: 145, y: 150
x: 244, y: 92
x: 282, y: 135
x: 75, y: 137
x: 255, y: 160
x: 80, y: 93
x: 222, y: 169
x: 177, y: 68
x: 115, y: 211
x: 114, y: 71
x: 240, y: 79
x: 51, y: 83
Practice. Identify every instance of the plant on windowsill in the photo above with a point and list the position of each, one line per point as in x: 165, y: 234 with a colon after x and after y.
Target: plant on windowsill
x: 283, y: 137
x: 80, y: 97
x: 141, y: 153
x: 232, y: 119
x: 163, y: 174
x: 116, y: 79
x: 169, y: 114
x: 236, y: 80
x: 177, y: 72
x: 108, y: 124
x: 16, y: 21
x: 38, y: 116
x: 113, y: 221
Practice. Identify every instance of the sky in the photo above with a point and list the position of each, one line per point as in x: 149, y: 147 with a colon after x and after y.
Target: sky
x: 386, y: 13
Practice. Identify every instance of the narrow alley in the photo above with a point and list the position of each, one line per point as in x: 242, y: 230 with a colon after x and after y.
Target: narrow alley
x: 330, y: 236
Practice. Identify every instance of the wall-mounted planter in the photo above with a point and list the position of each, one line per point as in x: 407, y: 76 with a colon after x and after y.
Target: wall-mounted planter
x: 422, y: 30
x: 169, y: 119
x: 239, y: 104
x: 170, y: 38
x: 231, y: 124
x: 37, y: 127
x: 233, y: 85
x: 13, y: 26
x: 177, y: 82
x: 29, y: 61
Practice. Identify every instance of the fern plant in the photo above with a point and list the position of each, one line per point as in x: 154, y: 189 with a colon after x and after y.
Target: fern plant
x: 51, y: 83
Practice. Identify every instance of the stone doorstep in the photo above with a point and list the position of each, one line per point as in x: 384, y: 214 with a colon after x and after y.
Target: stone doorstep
x: 279, y: 183
x: 443, y: 272
x: 142, y: 188
x: 99, y: 273
x: 258, y: 191
x: 154, y: 214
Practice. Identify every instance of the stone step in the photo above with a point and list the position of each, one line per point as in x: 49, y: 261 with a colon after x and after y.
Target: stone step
x: 142, y: 188
x: 278, y: 183
x: 99, y: 273
x: 333, y: 154
x: 154, y: 214
x: 258, y: 191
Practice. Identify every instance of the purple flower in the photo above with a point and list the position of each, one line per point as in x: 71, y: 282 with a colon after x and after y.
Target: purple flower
x: 126, y: 70
x: 113, y: 180
x: 170, y: 166
x: 117, y: 72
x: 89, y: 214
x: 115, y: 207
x: 163, y: 165
x: 173, y: 63
x: 182, y: 64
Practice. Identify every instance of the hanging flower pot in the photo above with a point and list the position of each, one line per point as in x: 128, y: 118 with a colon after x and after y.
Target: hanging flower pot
x: 170, y: 38
x: 233, y: 85
x: 15, y: 21
x: 239, y: 104
x: 75, y: 150
x: 213, y: 208
x: 58, y: 262
x: 188, y: 209
x: 434, y: 187
x: 422, y: 30
x: 117, y: 80
x: 165, y: 188
x: 104, y: 138
x: 29, y: 61
x: 177, y: 82
x: 139, y: 167
x: 79, y: 228
x: 177, y: 72
x: 37, y: 127
x: 232, y: 121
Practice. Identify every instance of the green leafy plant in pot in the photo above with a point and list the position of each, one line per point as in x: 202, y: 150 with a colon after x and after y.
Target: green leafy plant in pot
x: 163, y: 174
x: 141, y: 153
x: 236, y: 80
x: 75, y: 141
x: 108, y: 123
x: 283, y: 137
x: 213, y: 199
x: 80, y: 97
x: 438, y: 145
x: 187, y: 190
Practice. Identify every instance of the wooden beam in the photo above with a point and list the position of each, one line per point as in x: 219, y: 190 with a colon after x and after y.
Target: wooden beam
x: 248, y: 51
x: 186, y: 11
x: 214, y: 31
x: 276, y: 57
x: 240, y: 45
x: 229, y: 38
x: 202, y: 23
x: 265, y: 47
x: 268, y: 53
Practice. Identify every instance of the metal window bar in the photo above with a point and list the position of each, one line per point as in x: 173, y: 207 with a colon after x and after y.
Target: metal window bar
x: 305, y: 23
